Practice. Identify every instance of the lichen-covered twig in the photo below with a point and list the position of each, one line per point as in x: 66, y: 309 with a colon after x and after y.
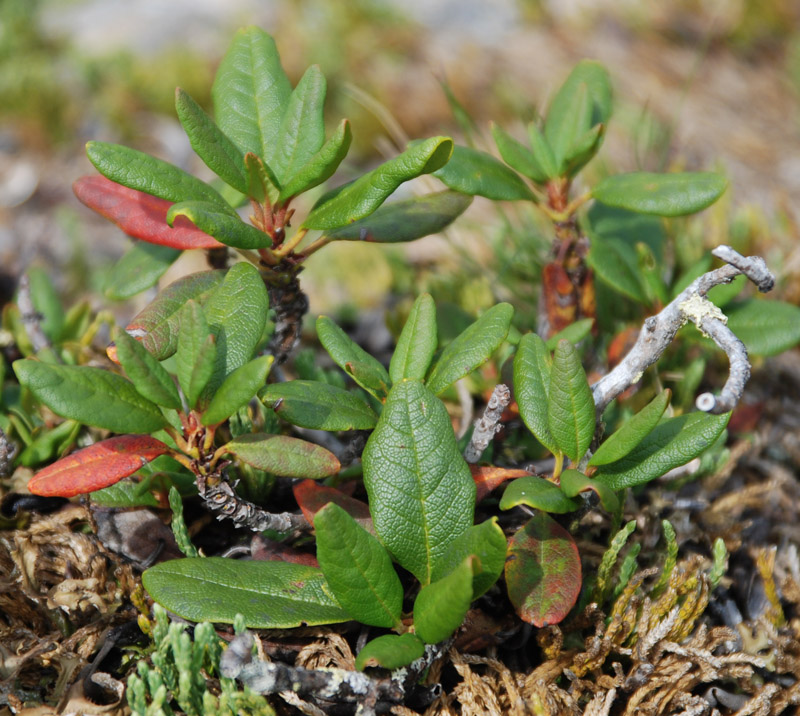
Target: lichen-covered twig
x: 488, y: 424
x: 329, y: 685
x: 691, y: 304
x: 222, y: 499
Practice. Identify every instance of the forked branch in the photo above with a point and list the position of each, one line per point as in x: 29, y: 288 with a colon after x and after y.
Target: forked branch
x: 693, y: 305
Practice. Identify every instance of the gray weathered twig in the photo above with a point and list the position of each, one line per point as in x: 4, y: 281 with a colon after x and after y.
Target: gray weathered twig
x: 691, y: 304
x: 326, y: 685
x: 488, y: 424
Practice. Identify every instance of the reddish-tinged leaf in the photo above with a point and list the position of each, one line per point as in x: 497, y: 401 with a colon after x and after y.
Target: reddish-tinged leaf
x: 96, y: 466
x: 312, y: 497
x: 268, y: 550
x: 140, y: 215
x: 488, y: 477
x: 543, y: 571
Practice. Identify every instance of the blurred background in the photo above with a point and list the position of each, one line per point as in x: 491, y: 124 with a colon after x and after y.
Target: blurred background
x: 699, y: 84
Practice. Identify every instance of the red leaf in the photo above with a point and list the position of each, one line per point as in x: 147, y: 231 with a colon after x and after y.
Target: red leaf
x: 96, y: 466
x: 140, y: 215
x: 488, y: 477
x: 543, y: 571
x: 312, y: 497
x: 267, y: 550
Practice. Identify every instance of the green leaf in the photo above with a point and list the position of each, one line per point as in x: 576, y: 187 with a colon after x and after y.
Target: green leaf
x: 574, y: 333
x: 478, y: 173
x: 542, y: 152
x: 584, y: 149
x: 440, y: 607
x: 157, y: 326
x: 674, y: 442
x: 236, y: 313
x: 282, y: 455
x: 406, y: 220
x: 353, y: 359
x: 237, y: 390
x: 582, y: 102
x: 321, y: 166
x: 485, y: 541
x: 146, y: 373
x: 224, y: 227
x: 140, y: 171
x: 532, y: 368
x: 661, y: 194
x: 319, y: 406
x: 91, y: 396
x: 139, y: 269
x: 209, y: 142
x: 358, y: 569
x: 368, y: 192
x: 251, y: 91
x: 570, y: 409
x: 417, y: 343
x: 517, y: 155
x: 569, y: 118
x: 262, y: 184
x: 471, y: 349
x: 574, y: 482
x: 632, y: 431
x: 538, y: 493
x: 269, y: 595
x: 421, y: 492
x: 197, y: 353
x: 765, y: 327
x: 47, y: 303
x: 302, y: 129
x: 616, y: 265
x: 49, y: 443
x: 543, y: 571
x: 390, y: 651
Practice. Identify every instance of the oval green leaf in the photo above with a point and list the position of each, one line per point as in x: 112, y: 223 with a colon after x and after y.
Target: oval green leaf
x: 765, y: 327
x: 358, y: 569
x: 421, y: 492
x: 543, y: 571
x: 574, y: 333
x: 406, y: 220
x: 570, y: 409
x: 282, y: 455
x: 139, y: 171
x: 574, y: 482
x: 532, y: 367
x: 440, y: 607
x: 91, y: 396
x: 269, y: 595
x: 157, y: 326
x: 615, y: 265
x: 417, y: 343
x: 485, y: 541
x: 353, y: 359
x: 471, y: 349
x: 319, y: 406
x: 236, y: 312
x: 674, y: 442
x: 250, y: 92
x: 368, y: 192
x: 661, y: 194
x: 139, y: 269
x: 477, y: 173
x: 197, y: 352
x: 210, y: 143
x: 321, y: 166
x: 146, y: 373
x: 538, y: 493
x: 237, y: 390
x: 517, y: 155
x: 632, y: 432
x: 390, y: 651
x: 226, y: 228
